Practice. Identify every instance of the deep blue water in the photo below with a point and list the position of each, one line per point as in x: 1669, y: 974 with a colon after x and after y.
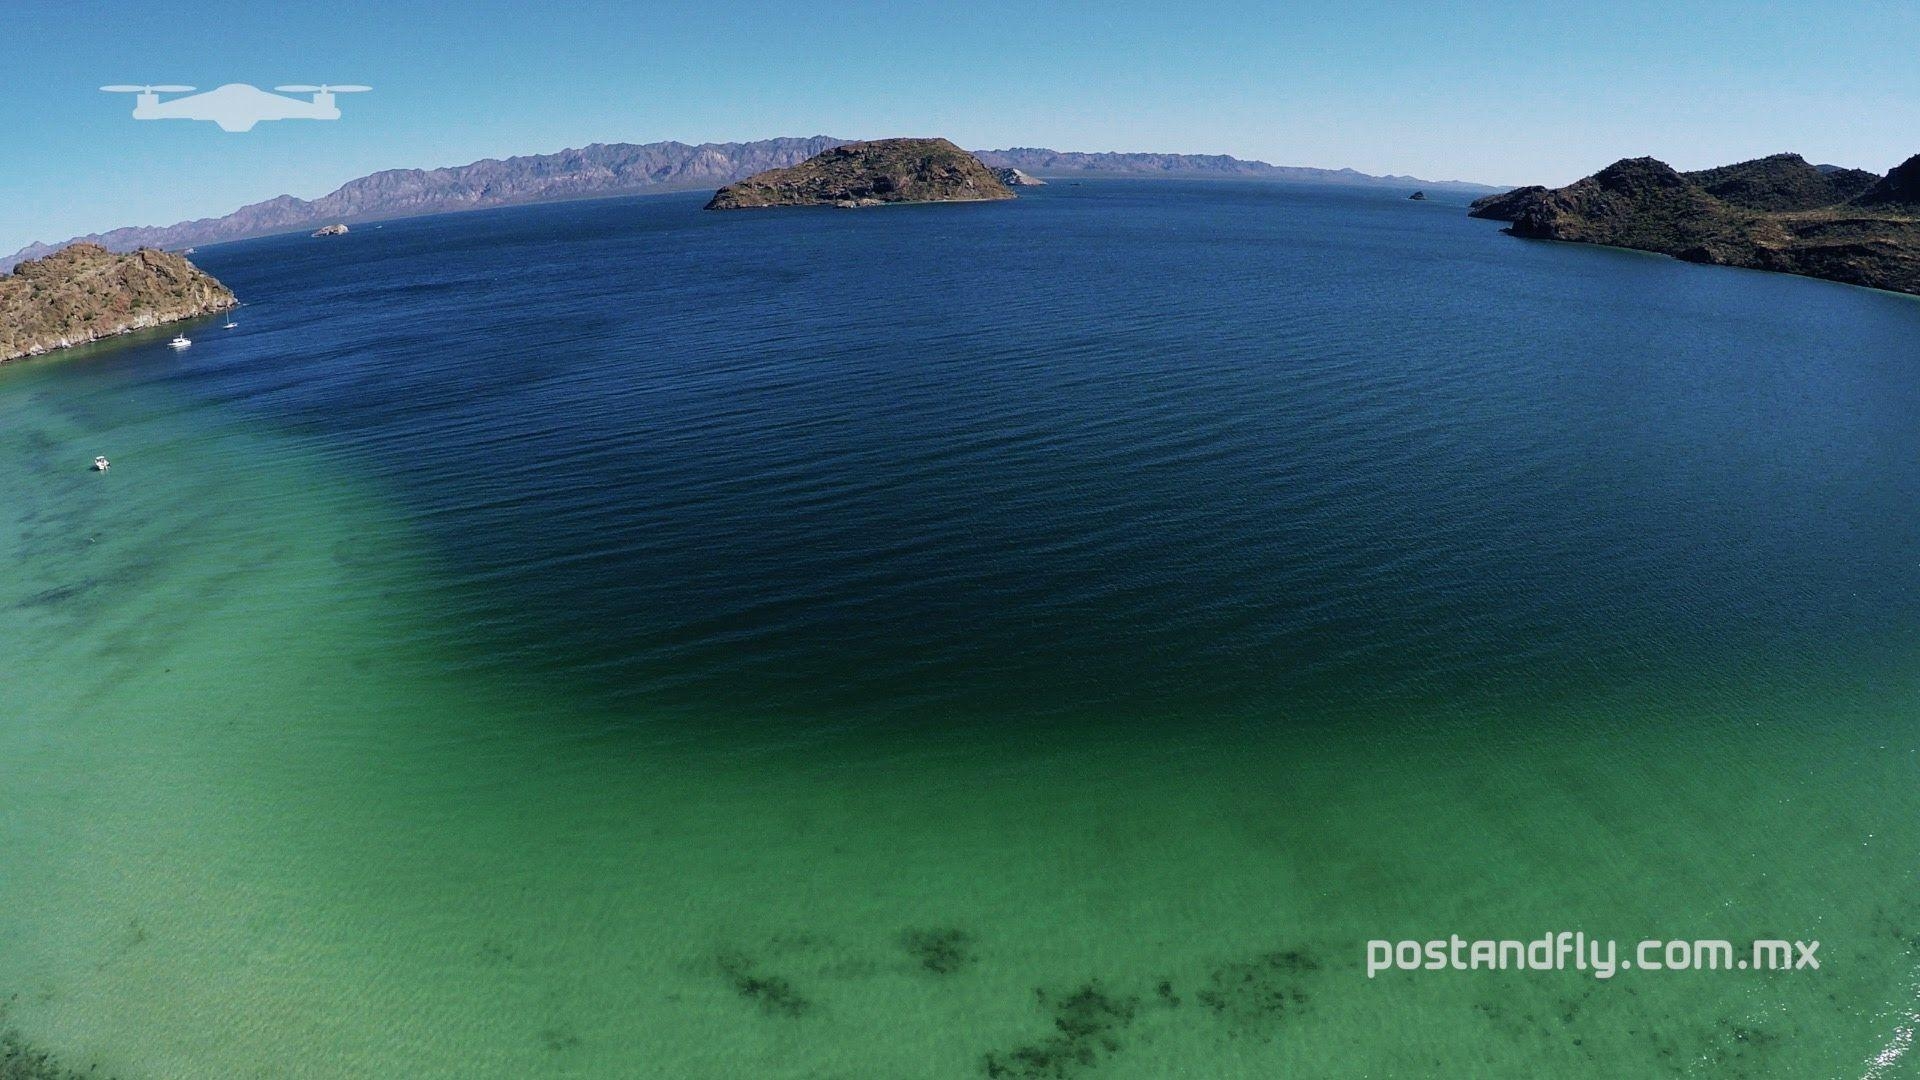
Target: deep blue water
x: 1114, y: 448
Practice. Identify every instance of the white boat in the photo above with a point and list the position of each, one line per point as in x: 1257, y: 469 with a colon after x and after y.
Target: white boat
x: 230, y: 324
x: 100, y: 464
x: 179, y: 342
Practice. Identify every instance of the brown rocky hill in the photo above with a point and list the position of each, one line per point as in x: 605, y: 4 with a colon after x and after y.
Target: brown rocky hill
x: 84, y: 292
x: 869, y: 173
x: 1777, y: 213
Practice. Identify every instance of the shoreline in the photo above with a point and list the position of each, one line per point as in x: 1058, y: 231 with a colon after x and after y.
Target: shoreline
x: 118, y: 331
x: 1883, y: 290
x: 84, y: 293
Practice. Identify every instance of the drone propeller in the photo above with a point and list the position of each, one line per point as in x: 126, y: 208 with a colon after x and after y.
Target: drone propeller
x: 146, y: 89
x: 302, y: 88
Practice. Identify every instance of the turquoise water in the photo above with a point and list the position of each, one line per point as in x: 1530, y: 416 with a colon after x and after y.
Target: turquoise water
x: 1047, y: 639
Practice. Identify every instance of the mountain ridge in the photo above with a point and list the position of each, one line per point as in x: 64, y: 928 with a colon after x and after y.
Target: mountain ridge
x: 1040, y: 160
x: 604, y: 170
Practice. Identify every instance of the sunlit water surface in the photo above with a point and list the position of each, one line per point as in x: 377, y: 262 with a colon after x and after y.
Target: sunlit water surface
x: 1040, y: 639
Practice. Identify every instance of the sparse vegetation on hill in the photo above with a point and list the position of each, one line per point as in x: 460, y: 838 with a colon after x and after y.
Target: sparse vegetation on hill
x: 1776, y: 213
x: 85, y: 292
x: 866, y: 173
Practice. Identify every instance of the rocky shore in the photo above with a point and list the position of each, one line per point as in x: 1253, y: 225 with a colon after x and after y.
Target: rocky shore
x: 84, y: 293
x: 1777, y: 213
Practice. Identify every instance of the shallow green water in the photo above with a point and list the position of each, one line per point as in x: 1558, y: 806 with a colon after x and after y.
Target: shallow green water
x: 281, y: 794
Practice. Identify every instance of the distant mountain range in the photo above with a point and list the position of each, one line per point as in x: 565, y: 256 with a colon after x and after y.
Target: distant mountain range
x: 1043, y: 162
x: 607, y: 169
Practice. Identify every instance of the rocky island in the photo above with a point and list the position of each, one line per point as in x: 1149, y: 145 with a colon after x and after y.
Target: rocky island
x: 84, y: 292
x: 1775, y: 213
x: 330, y: 230
x: 869, y: 174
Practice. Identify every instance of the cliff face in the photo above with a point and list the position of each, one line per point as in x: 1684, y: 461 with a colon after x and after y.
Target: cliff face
x: 85, y: 292
x: 864, y: 173
x: 1777, y: 213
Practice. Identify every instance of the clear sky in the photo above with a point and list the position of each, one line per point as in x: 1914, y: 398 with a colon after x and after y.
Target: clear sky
x: 1496, y: 91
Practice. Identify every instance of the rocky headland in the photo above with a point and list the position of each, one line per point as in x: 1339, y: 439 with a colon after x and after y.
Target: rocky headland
x: 1776, y: 213
x: 869, y: 174
x: 84, y: 293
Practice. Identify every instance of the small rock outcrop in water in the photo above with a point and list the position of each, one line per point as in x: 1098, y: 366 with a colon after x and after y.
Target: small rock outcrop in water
x: 1418, y: 195
x: 867, y: 174
x: 85, y: 292
x: 1015, y: 178
x: 330, y: 230
x: 1776, y: 213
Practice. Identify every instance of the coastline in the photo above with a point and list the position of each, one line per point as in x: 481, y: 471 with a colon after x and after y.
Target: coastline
x: 84, y: 293
x: 143, y: 323
x: 1778, y: 214
x: 1901, y: 293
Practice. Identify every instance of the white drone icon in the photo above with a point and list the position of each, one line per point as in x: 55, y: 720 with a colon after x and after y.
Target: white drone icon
x: 235, y: 106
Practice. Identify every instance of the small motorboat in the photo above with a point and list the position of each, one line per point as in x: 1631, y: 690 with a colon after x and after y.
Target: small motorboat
x: 179, y: 342
x: 229, y: 324
x: 100, y: 464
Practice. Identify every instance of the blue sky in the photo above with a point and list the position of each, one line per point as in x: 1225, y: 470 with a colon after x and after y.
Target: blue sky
x: 1492, y: 91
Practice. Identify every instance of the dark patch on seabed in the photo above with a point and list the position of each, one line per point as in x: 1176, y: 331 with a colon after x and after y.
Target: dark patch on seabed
x: 1087, y: 1025
x: 942, y: 952
x: 775, y: 995
x: 21, y: 1060
x: 1738, y: 1048
x: 1251, y: 996
x: 56, y: 596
